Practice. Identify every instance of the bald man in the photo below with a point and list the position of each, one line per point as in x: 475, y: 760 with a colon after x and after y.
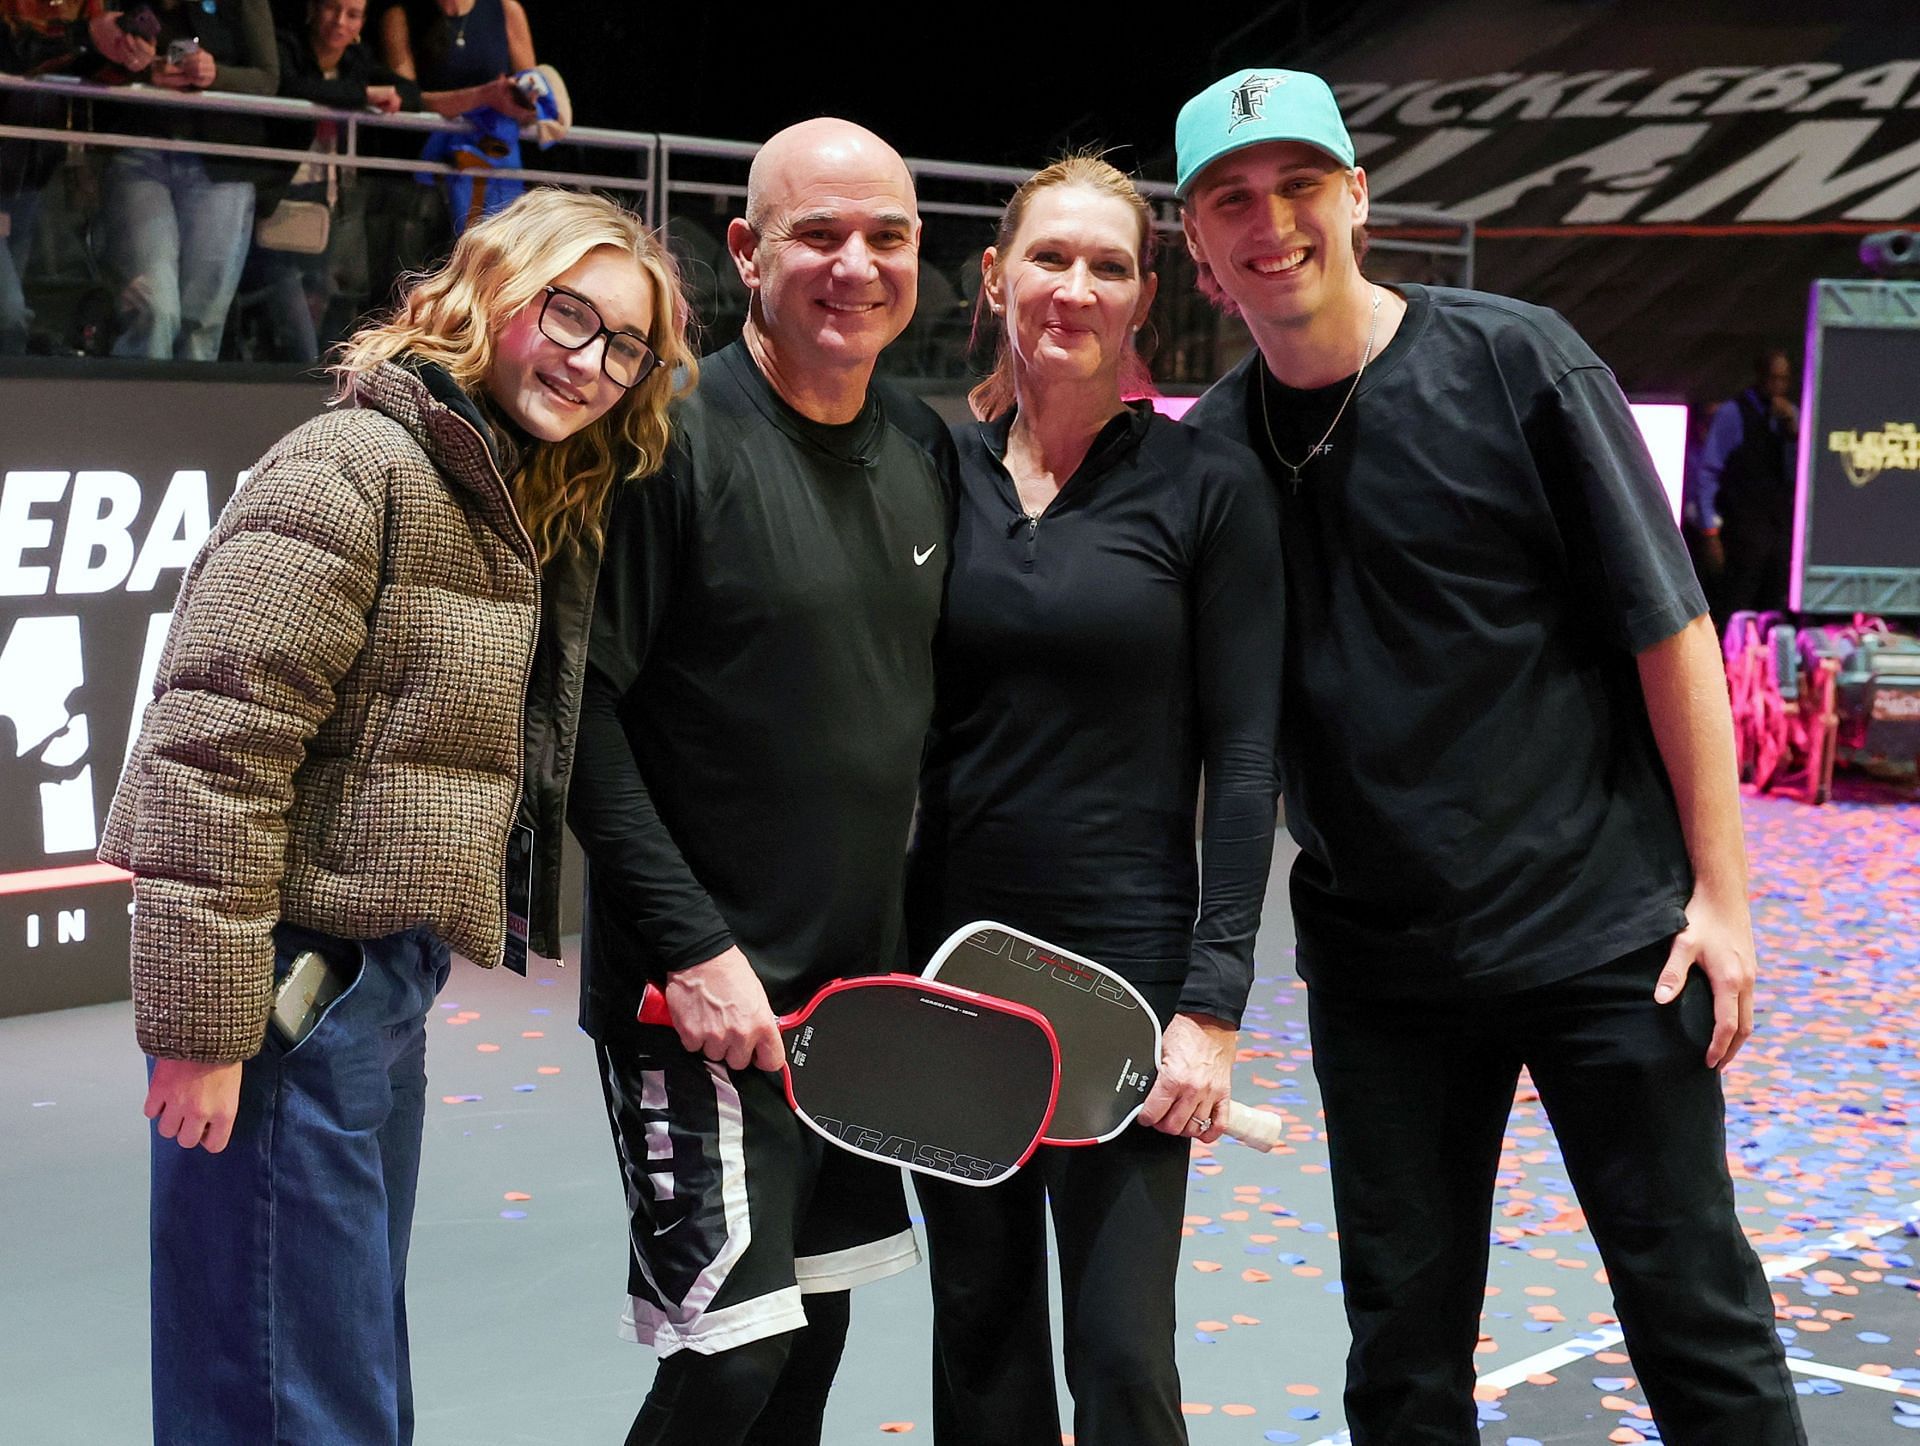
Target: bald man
x: 759, y: 683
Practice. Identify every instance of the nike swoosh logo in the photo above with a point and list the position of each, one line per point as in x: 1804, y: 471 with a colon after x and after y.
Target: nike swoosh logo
x: 920, y: 558
x: 665, y: 1228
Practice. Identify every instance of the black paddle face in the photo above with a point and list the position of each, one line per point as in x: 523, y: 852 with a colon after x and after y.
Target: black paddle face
x: 1109, y: 1040
x: 923, y: 1076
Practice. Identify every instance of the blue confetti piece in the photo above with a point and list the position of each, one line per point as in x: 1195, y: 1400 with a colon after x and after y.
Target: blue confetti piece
x: 1204, y: 1338
x: 1824, y: 1387
x: 1523, y: 1441
x: 1803, y: 1388
x: 1281, y: 1438
x: 1612, y: 1383
x: 523, y: 1089
x: 542, y: 1010
x: 1800, y: 1353
x: 1906, y: 1408
x: 1312, y: 1228
x: 513, y: 1215
x: 1911, y: 1423
x: 1875, y: 1338
x: 1334, y: 1287
x: 1538, y: 1327
x: 1304, y: 1413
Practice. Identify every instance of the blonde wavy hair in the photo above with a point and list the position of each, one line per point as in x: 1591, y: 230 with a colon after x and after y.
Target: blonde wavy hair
x: 453, y: 316
x: 1090, y: 169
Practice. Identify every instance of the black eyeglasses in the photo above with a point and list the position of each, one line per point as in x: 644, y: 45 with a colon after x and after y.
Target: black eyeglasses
x: 571, y: 321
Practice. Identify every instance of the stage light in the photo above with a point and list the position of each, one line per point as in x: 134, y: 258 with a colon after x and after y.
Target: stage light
x: 1891, y: 254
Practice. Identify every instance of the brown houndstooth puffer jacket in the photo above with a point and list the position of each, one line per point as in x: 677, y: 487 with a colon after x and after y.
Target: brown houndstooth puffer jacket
x: 343, y: 712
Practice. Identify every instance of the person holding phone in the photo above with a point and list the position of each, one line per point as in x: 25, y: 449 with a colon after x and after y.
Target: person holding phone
x: 179, y: 222
x: 358, y: 748
x: 1112, y: 632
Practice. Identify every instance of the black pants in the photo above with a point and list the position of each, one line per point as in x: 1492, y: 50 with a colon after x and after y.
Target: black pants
x: 1759, y: 554
x: 1116, y: 1209
x: 1417, y: 1097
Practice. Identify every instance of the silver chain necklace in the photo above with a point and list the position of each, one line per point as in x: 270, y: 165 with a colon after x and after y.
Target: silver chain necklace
x: 1266, y: 421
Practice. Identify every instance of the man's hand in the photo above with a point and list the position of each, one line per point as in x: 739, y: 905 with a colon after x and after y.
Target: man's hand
x: 1787, y: 412
x: 1718, y: 941
x: 1713, y: 552
x: 720, y: 1010
x: 383, y: 98
x: 195, y: 1103
x: 1196, y: 1077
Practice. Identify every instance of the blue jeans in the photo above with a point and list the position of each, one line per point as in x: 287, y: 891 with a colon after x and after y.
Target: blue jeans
x: 177, y: 240
x: 279, y: 1265
x: 23, y: 211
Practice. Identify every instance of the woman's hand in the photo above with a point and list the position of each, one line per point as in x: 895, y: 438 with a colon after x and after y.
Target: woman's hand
x: 383, y: 98
x: 196, y: 72
x: 123, y: 48
x: 1196, y: 1077
x: 194, y: 1103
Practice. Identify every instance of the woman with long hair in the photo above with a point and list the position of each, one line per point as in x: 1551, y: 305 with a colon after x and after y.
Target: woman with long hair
x: 355, y: 760
x: 1112, y: 633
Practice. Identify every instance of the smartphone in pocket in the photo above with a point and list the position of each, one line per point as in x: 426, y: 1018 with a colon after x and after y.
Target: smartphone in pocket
x: 301, y: 998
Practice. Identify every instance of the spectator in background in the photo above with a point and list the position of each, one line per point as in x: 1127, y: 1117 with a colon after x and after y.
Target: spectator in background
x: 1746, y: 490
x: 325, y: 63
x: 460, y: 53
x: 45, y: 37
x: 178, y: 223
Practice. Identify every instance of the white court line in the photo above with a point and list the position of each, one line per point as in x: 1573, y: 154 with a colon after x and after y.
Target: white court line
x: 1588, y: 1343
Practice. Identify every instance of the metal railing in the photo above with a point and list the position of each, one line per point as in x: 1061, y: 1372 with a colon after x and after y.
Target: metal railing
x: 689, y: 186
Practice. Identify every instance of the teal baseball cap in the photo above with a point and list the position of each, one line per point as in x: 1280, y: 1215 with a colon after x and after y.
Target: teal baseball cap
x: 1250, y: 108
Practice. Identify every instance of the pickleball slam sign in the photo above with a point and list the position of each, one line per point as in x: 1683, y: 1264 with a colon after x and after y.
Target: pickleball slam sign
x: 107, y: 490
x: 1858, y: 518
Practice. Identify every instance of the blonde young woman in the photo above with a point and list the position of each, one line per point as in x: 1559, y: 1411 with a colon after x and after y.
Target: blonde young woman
x: 1112, y: 628
x: 374, y: 662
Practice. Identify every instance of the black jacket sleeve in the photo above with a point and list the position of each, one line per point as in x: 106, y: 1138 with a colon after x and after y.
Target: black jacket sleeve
x: 1238, y: 629
x: 634, y: 865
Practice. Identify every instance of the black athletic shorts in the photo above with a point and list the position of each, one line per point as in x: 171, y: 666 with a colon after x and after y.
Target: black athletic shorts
x: 735, y: 1207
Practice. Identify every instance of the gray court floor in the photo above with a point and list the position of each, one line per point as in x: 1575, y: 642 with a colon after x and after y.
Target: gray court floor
x: 518, y: 1261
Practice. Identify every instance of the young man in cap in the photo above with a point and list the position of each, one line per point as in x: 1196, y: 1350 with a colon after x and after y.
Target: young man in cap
x: 758, y: 688
x: 1507, y: 759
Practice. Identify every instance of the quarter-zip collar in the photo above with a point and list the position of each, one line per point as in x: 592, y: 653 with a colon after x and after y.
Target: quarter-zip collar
x: 1114, y: 442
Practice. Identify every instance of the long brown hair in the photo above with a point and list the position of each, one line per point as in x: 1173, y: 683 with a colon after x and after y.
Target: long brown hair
x: 1082, y: 168
x: 452, y: 317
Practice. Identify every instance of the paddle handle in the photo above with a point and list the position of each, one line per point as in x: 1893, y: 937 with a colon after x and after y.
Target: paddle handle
x: 1259, y: 1129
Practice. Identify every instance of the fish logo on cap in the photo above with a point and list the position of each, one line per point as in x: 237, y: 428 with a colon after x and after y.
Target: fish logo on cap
x: 1245, y: 100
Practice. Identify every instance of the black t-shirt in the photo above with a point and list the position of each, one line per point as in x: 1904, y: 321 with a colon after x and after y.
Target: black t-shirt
x: 759, y: 684
x: 1465, y: 752
x: 1091, y: 662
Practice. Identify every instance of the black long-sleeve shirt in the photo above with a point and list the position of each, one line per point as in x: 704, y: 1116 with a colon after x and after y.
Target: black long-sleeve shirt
x: 759, y: 683
x: 1092, y: 661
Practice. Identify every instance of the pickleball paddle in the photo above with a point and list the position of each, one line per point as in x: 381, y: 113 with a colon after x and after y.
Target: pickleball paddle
x: 1108, y: 1037
x: 918, y: 1073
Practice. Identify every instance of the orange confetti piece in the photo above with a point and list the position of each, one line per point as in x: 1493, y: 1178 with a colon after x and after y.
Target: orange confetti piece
x: 1210, y: 1325
x: 1301, y: 1388
x: 1616, y: 1403
x: 1488, y: 1393
x: 548, y: 1069
x: 1624, y: 1436
x: 517, y: 1195
x: 533, y: 1034
x: 488, y: 1048
x: 1543, y: 1378
x: 1246, y: 1320
x: 1253, y: 1277
x: 1236, y: 1408
x: 1206, y: 1267
x: 1195, y: 1408
x: 895, y: 1428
